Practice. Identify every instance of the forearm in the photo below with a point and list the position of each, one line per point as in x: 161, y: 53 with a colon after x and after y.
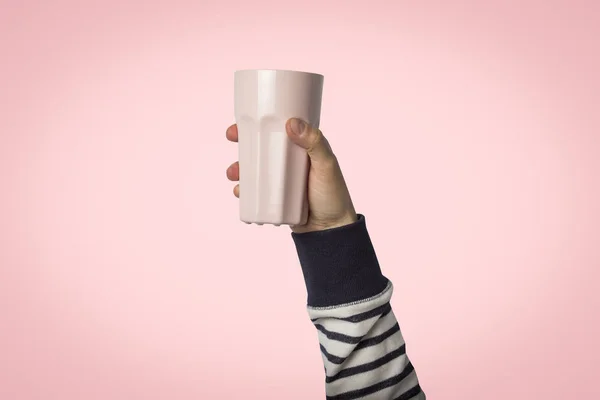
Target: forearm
x: 348, y: 301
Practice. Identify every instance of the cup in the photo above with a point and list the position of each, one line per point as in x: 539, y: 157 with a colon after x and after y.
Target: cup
x: 273, y: 170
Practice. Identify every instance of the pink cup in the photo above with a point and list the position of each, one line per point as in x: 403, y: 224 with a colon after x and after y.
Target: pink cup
x: 273, y: 170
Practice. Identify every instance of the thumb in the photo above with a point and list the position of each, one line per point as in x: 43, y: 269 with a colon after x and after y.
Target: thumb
x: 309, y: 138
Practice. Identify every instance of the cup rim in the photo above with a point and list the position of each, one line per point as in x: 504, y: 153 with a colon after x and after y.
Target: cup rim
x: 278, y: 70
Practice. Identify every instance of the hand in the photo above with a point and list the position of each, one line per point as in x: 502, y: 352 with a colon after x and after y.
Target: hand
x: 329, y: 201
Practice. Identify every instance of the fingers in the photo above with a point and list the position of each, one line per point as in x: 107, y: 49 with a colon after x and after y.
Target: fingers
x: 311, y: 139
x: 232, y: 133
x: 233, y: 172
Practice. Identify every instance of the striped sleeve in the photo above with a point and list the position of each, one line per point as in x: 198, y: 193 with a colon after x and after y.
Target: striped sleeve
x: 360, y: 340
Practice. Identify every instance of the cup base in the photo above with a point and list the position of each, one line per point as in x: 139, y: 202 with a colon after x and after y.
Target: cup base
x: 273, y: 223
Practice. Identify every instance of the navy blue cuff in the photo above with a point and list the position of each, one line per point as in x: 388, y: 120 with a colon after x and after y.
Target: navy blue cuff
x: 339, y: 265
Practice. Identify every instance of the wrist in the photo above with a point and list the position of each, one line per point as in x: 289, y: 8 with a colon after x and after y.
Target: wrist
x: 349, y: 219
x: 315, y: 225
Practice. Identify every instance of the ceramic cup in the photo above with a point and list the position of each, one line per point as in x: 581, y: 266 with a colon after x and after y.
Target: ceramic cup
x: 273, y: 170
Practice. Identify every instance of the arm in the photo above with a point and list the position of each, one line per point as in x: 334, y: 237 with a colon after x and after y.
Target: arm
x: 348, y: 297
x: 348, y: 302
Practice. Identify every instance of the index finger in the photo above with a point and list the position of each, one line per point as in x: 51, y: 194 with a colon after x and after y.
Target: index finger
x: 232, y: 133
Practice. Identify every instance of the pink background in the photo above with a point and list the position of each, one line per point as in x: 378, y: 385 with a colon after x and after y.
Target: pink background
x: 469, y: 132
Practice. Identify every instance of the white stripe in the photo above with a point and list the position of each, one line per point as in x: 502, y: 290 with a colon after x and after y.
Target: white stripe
x: 385, y: 324
x: 357, y: 329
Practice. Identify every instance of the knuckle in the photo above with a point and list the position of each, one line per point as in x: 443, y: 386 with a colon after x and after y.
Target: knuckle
x: 316, y: 137
x: 318, y: 142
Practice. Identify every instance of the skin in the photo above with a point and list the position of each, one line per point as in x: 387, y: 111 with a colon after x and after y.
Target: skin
x: 329, y: 202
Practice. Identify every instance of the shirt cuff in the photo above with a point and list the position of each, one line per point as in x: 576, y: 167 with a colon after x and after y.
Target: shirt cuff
x: 339, y: 265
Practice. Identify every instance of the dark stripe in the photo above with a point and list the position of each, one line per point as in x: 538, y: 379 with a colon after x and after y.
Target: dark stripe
x: 382, y: 311
x: 332, y: 359
x: 355, y: 394
x: 359, y: 369
x: 340, y: 337
x: 378, y: 339
x: 410, y: 393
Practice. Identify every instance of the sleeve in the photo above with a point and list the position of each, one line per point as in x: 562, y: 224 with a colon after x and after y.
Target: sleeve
x: 361, y: 344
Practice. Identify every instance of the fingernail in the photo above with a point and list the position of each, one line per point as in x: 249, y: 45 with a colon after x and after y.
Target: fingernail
x: 297, y: 126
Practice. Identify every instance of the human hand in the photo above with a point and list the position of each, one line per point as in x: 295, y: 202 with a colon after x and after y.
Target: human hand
x: 329, y: 201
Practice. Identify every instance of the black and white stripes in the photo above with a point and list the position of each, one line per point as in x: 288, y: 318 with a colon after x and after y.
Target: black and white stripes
x: 364, y: 352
